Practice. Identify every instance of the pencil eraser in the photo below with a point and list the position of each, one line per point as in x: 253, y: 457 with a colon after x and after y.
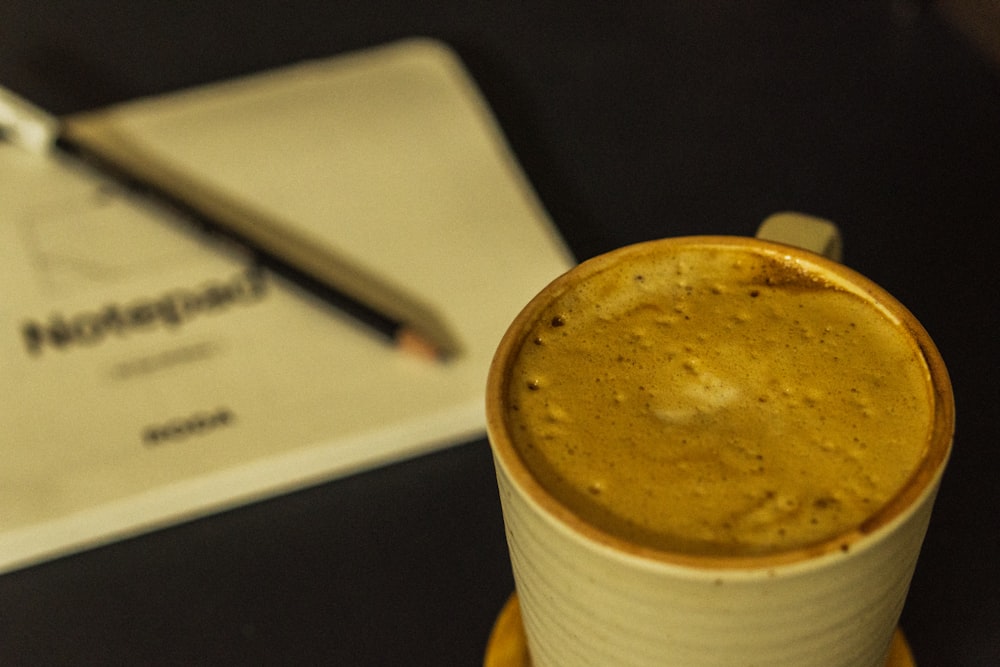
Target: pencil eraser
x: 24, y: 124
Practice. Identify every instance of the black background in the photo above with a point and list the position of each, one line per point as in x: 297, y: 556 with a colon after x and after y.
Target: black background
x: 633, y: 121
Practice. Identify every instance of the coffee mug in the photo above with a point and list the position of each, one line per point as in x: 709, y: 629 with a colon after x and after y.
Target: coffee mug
x: 716, y: 451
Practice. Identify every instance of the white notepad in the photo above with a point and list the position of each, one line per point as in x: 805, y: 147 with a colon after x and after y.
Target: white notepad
x: 147, y: 378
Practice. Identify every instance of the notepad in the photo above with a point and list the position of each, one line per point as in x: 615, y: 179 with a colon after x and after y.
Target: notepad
x: 151, y: 375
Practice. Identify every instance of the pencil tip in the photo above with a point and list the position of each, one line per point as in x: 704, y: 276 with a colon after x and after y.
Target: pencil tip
x: 412, y: 342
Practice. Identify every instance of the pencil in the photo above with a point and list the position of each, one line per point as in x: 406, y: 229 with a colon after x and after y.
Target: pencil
x: 384, y: 308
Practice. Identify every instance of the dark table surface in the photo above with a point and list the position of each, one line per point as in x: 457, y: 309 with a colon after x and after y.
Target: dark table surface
x: 633, y: 120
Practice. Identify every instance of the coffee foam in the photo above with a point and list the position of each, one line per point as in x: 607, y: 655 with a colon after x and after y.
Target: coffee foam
x: 719, y: 401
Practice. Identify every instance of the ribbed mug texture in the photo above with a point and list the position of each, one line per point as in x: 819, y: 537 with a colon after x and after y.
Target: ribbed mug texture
x: 583, y: 603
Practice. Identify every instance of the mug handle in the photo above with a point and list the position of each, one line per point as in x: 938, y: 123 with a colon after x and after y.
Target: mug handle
x: 803, y: 231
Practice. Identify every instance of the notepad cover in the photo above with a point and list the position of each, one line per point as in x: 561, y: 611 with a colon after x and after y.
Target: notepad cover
x: 149, y: 376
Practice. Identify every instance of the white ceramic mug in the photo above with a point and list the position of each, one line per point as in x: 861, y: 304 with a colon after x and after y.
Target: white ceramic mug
x: 586, y: 599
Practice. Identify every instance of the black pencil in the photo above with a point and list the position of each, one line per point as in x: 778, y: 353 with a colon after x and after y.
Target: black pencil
x: 275, y: 244
x: 384, y: 308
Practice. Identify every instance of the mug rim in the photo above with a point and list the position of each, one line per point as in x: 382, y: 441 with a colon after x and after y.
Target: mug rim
x: 922, y: 482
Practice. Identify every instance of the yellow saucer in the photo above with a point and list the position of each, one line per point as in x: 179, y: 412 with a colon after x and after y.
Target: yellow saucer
x: 507, y: 646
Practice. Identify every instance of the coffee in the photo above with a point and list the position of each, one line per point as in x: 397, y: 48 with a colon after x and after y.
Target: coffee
x: 717, y: 398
